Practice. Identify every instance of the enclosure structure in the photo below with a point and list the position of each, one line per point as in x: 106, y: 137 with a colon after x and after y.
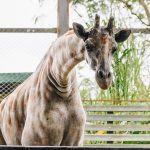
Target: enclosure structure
x: 102, y: 129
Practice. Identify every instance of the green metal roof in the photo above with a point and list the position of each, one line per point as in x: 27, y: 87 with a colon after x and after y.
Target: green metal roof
x: 14, y: 77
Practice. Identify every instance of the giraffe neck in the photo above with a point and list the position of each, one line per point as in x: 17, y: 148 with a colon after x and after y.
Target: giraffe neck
x: 65, y: 53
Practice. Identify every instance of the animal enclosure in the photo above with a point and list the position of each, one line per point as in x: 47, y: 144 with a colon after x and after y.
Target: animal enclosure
x: 109, y: 122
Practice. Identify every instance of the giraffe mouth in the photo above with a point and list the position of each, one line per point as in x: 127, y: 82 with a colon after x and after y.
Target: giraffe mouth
x: 103, y: 83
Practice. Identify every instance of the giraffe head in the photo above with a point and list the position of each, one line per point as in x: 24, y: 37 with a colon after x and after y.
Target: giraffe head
x: 100, y: 43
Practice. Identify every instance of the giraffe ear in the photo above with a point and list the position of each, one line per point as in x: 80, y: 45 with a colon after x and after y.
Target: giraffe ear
x: 122, y: 35
x: 80, y: 31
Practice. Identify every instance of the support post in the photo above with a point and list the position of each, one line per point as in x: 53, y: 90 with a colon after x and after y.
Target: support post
x: 62, y: 17
x: 110, y: 132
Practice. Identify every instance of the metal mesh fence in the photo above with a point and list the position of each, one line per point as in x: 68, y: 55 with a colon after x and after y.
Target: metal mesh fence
x: 20, y: 53
x: 9, y: 81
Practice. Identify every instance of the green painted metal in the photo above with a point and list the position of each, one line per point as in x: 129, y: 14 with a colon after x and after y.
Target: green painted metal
x: 14, y: 77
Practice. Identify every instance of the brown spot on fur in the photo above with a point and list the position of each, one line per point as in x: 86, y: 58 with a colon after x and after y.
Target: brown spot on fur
x: 82, y: 50
x: 10, y: 104
x: 72, y: 54
x: 9, y: 120
x: 104, y: 39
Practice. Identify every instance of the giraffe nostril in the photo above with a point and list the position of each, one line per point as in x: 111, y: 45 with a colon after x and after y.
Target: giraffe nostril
x: 103, y: 75
x: 100, y: 74
x: 109, y: 75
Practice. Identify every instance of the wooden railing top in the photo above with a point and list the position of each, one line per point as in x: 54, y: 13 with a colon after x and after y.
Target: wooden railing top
x: 102, y: 108
x: 115, y: 100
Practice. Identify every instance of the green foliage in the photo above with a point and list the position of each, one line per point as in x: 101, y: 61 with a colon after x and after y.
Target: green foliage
x: 133, y: 8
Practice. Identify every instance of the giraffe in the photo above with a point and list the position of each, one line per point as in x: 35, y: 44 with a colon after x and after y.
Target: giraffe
x: 46, y: 109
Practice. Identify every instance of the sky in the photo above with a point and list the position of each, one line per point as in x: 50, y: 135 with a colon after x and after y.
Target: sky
x: 22, y: 52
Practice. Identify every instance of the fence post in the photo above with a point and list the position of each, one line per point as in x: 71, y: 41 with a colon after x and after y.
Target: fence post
x: 62, y: 17
x: 110, y: 132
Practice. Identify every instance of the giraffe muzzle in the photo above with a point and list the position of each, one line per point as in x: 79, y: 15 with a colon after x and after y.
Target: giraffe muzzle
x: 103, y: 78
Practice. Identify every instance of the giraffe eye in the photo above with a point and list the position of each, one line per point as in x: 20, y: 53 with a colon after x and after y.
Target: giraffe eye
x: 89, y: 47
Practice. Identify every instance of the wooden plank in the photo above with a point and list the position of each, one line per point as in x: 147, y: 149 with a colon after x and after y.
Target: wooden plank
x: 117, y: 137
x: 117, y: 108
x: 116, y: 101
x: 62, y: 17
x: 118, y: 117
x: 137, y: 146
x: 28, y: 30
x: 107, y: 127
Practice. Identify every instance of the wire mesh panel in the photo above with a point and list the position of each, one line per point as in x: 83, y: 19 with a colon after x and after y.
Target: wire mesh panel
x: 9, y: 81
x: 20, y: 53
x: 20, y: 49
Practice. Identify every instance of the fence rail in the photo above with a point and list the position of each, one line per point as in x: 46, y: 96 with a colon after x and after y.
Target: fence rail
x: 28, y: 30
x: 118, y: 117
x: 115, y: 100
x: 122, y: 128
x: 118, y: 127
x: 118, y: 137
x: 117, y: 108
x: 55, y: 30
